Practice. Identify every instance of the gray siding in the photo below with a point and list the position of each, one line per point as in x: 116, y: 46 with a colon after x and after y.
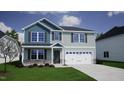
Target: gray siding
x: 36, y: 28
x: 66, y: 40
x: 114, y: 45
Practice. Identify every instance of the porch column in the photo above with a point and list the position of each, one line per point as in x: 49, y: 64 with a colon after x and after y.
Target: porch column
x: 22, y: 55
x: 52, y: 55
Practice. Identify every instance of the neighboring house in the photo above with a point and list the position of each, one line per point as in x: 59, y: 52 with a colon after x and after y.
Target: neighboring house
x: 4, y: 37
x: 44, y: 41
x: 110, y: 46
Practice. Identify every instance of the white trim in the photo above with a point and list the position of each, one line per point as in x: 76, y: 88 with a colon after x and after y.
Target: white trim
x: 29, y: 25
x: 38, y: 21
x: 38, y: 37
x: 79, y: 38
x: 36, y: 46
x: 78, y: 47
x: 57, y: 43
x: 52, y: 23
x: 79, y: 31
x: 52, y: 56
x: 37, y: 50
x: 45, y: 26
x: 50, y: 37
x: 22, y: 55
x: 58, y: 33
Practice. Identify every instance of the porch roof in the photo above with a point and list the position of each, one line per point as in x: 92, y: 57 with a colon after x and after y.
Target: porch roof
x: 36, y: 44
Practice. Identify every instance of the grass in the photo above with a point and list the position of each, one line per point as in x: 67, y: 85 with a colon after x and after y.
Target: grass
x: 111, y: 63
x: 43, y: 74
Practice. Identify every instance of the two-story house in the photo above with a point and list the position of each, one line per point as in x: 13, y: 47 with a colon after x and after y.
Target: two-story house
x: 44, y: 41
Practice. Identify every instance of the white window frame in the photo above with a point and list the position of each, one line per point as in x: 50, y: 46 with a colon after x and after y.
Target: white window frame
x: 37, y: 51
x: 60, y: 37
x: 38, y: 37
x: 79, y: 38
x: 31, y: 37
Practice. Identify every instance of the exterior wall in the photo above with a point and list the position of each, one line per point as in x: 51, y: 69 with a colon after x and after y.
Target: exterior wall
x: 66, y: 40
x: 36, y: 28
x: 114, y: 45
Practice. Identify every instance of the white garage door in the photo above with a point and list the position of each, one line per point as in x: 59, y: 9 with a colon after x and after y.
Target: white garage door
x: 73, y: 57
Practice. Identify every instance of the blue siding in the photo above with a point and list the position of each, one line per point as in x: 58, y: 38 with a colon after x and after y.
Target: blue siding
x: 36, y: 28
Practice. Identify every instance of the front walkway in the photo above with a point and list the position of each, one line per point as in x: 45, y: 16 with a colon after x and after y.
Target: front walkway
x: 101, y: 72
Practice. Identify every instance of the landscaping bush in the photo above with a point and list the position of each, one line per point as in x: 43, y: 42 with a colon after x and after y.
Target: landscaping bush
x: 35, y: 65
x: 41, y: 66
x: 19, y: 65
x: 51, y: 65
x: 99, y: 62
x: 30, y: 66
x: 47, y: 65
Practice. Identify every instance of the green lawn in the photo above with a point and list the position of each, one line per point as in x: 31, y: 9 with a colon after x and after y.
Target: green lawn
x: 112, y: 63
x: 43, y: 74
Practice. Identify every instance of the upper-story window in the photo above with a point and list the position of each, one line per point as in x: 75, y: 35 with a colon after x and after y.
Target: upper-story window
x: 56, y: 36
x: 34, y: 36
x: 38, y: 37
x: 78, y: 37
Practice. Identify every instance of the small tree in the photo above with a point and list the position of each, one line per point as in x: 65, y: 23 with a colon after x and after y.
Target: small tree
x: 8, y: 49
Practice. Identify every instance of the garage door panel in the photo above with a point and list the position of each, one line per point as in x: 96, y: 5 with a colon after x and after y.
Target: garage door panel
x: 78, y: 58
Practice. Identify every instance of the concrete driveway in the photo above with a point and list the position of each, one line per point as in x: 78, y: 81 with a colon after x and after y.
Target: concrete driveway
x: 101, y: 72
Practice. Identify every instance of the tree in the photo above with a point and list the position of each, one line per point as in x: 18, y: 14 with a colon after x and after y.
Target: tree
x: 8, y: 49
x: 12, y: 34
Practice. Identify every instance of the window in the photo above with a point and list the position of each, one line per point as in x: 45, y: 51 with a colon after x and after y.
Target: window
x: 56, y: 36
x: 80, y: 52
x: 34, y: 36
x: 37, y: 54
x: 82, y: 37
x: 78, y: 37
x: 34, y: 54
x: 38, y: 37
x: 41, y: 54
x: 75, y: 37
x: 66, y: 52
x: 73, y: 52
x: 106, y: 54
x: 41, y: 37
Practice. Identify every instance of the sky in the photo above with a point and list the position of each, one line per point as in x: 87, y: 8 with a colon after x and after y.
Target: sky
x: 100, y: 21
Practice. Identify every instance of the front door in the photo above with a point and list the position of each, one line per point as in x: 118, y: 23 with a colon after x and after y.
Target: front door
x: 56, y: 56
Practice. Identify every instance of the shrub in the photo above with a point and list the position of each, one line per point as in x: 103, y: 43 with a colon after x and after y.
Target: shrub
x: 30, y: 66
x: 99, y: 62
x: 40, y: 65
x: 35, y: 65
x: 51, y: 65
x: 19, y: 65
x: 47, y: 65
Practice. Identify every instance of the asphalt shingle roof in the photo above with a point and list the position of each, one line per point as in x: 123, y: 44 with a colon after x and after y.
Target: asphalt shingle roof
x: 113, y: 32
x: 74, y: 28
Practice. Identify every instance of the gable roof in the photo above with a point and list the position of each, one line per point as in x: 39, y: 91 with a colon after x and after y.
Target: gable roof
x: 1, y: 34
x: 46, y: 23
x: 58, y: 45
x: 74, y: 28
x: 113, y: 32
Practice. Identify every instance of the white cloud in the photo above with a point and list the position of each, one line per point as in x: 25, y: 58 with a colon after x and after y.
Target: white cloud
x: 70, y: 21
x: 46, y: 12
x: 4, y: 28
x: 21, y: 36
x: 112, y: 13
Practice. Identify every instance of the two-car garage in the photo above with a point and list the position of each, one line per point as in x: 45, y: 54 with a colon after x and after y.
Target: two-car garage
x: 78, y: 57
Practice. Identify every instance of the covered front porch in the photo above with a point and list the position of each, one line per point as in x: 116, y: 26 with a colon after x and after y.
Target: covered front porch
x: 42, y: 55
